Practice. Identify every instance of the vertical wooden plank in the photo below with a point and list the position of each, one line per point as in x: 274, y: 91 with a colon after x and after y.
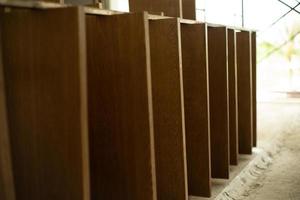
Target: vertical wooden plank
x: 45, y: 84
x: 7, y: 188
x: 172, y: 8
x: 219, y: 107
x: 196, y: 106
x: 233, y: 103
x: 244, y: 92
x: 254, y: 101
x: 120, y: 107
x: 189, y: 9
x: 168, y: 108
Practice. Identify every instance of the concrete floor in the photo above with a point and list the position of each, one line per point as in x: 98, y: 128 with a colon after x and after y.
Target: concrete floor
x: 273, y: 171
x: 279, y: 122
x: 274, y: 174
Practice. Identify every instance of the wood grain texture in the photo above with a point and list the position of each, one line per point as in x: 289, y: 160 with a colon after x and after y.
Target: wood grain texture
x: 120, y: 108
x: 244, y: 92
x: 52, y: 1
x: 172, y: 8
x: 196, y: 102
x: 254, y: 91
x: 7, y: 188
x: 168, y: 109
x: 219, y: 107
x: 233, y: 101
x: 44, y: 72
x: 189, y: 9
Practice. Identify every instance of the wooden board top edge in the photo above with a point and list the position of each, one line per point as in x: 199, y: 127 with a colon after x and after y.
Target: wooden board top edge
x: 158, y: 17
x: 212, y: 25
x: 237, y: 29
x: 181, y: 20
x: 190, y: 21
x: 31, y: 4
x: 48, y: 5
x: 97, y: 11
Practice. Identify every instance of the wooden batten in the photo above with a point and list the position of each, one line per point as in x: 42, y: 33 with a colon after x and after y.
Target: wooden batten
x: 7, y: 187
x: 244, y: 76
x: 120, y: 107
x: 196, y: 102
x: 172, y: 8
x: 218, y: 100
x: 168, y: 109
x: 254, y: 90
x: 45, y: 89
x: 233, y: 98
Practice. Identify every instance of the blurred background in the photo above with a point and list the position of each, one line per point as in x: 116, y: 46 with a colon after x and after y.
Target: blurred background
x: 278, y: 39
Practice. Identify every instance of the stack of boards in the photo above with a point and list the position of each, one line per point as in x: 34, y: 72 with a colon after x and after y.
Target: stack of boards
x: 97, y: 104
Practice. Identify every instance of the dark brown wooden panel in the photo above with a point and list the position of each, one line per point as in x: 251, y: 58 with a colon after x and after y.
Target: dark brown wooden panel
x: 52, y: 1
x: 171, y: 8
x: 120, y: 109
x: 233, y: 103
x: 45, y: 84
x: 7, y: 188
x: 42, y: 1
x: 189, y: 9
x: 169, y: 130
x: 219, y: 107
x: 244, y: 92
x: 196, y: 106
x: 254, y: 102
x: 49, y: 1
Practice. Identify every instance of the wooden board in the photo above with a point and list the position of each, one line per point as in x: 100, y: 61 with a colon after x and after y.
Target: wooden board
x: 172, y: 8
x: 45, y: 84
x: 120, y: 107
x: 168, y: 109
x: 219, y: 107
x: 196, y: 102
x: 244, y: 92
x: 79, y: 2
x: 233, y: 103
x: 7, y: 188
x: 189, y: 9
x: 51, y: 1
x: 254, y: 102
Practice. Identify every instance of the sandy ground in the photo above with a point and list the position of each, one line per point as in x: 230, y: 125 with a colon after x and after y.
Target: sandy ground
x: 281, y: 181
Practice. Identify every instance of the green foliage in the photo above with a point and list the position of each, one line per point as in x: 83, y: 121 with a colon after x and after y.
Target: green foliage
x: 288, y: 50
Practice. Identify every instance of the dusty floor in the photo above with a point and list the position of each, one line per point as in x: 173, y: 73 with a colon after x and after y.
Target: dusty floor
x: 281, y: 181
x: 273, y: 171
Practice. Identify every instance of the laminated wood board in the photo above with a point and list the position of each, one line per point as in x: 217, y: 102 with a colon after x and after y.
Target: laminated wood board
x: 244, y: 77
x: 172, y: 8
x: 168, y: 109
x: 7, y: 188
x: 233, y: 103
x: 196, y: 106
x: 120, y: 107
x: 254, y: 102
x: 189, y: 9
x: 52, y: 1
x: 218, y: 100
x: 45, y: 87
